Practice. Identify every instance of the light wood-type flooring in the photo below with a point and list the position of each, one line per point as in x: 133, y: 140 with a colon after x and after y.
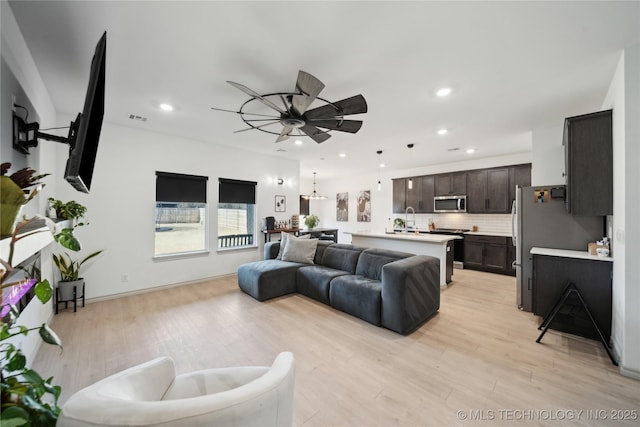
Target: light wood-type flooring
x: 475, y: 363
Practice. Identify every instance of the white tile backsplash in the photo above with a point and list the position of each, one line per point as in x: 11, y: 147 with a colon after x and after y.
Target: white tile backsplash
x: 491, y: 223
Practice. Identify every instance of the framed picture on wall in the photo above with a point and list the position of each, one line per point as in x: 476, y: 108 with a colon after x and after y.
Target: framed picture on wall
x: 281, y: 203
x: 364, y: 206
x: 342, y: 207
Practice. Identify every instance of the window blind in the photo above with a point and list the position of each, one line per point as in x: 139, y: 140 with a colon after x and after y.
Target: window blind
x: 236, y: 191
x: 175, y: 187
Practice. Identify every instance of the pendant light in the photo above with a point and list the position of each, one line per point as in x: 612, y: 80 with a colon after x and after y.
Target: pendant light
x: 314, y: 195
x: 380, y: 166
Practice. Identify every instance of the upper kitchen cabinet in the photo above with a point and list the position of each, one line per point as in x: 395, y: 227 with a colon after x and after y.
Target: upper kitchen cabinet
x: 519, y: 175
x: 588, y: 144
x: 488, y: 190
x: 451, y: 184
x: 417, y: 192
x: 399, y: 195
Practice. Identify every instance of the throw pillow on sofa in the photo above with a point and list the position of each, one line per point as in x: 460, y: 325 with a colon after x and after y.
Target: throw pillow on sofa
x: 284, y: 238
x: 300, y: 250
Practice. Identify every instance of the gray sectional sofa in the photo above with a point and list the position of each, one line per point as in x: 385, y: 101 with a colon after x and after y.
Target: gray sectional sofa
x: 396, y: 290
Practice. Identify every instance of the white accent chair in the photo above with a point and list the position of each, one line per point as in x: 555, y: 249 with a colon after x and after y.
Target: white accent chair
x: 152, y: 395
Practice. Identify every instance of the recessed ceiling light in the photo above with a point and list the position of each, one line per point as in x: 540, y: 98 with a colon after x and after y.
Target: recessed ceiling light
x: 470, y: 151
x: 298, y: 142
x: 166, y: 107
x: 442, y: 131
x: 381, y: 165
x: 444, y: 91
x: 342, y: 155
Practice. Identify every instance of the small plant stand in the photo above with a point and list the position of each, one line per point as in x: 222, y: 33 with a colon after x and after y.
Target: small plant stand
x: 74, y: 299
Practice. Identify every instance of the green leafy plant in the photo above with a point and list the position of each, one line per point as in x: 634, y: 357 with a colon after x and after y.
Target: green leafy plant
x: 26, y: 395
x: 68, y: 210
x: 311, y: 221
x: 69, y: 269
x: 398, y: 222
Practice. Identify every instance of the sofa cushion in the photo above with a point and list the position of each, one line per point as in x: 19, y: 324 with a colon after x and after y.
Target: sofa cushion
x: 268, y: 279
x: 371, y: 261
x: 342, y: 257
x: 313, y: 281
x: 298, y: 250
x: 284, y: 238
x: 357, y: 295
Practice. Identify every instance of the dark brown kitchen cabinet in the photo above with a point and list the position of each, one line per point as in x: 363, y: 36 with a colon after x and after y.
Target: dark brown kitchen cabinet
x: 588, y: 144
x: 488, y: 190
x: 486, y: 253
x: 427, y: 189
x: 414, y: 193
x: 592, y: 278
x: 399, y: 195
x: 451, y: 184
x: 520, y: 176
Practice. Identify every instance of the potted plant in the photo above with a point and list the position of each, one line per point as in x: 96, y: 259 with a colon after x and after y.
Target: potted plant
x: 14, y: 194
x: 70, y: 274
x: 311, y: 221
x: 70, y: 210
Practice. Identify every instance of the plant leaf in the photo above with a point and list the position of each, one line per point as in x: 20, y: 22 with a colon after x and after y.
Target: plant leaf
x: 49, y: 336
x: 44, y: 291
x: 68, y: 240
x: 17, y: 362
x: 13, y: 416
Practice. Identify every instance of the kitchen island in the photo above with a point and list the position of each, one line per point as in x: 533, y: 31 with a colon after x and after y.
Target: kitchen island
x: 435, y: 245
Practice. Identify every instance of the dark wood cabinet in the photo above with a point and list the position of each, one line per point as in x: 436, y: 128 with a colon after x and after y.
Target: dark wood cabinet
x: 488, y: 191
x: 451, y: 184
x: 399, y: 195
x: 427, y: 190
x: 419, y: 196
x: 588, y: 143
x: 592, y: 277
x: 486, y: 253
x: 520, y: 176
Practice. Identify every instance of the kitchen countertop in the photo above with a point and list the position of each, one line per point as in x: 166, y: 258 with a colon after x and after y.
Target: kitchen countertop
x: 422, y: 237
x: 489, y: 233
x: 569, y: 254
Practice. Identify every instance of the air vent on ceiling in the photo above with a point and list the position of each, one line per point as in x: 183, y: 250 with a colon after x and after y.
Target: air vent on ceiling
x: 137, y: 118
x: 454, y: 149
x: 281, y: 150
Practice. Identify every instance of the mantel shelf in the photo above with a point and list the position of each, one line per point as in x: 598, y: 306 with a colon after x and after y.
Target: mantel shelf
x: 28, y: 246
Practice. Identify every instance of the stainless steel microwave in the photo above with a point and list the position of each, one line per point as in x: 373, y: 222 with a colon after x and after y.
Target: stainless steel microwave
x: 450, y: 204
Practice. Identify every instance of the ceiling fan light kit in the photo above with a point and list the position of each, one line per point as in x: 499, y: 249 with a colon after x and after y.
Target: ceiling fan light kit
x: 292, y: 113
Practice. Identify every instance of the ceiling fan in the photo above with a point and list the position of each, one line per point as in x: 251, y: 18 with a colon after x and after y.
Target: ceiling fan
x: 290, y: 110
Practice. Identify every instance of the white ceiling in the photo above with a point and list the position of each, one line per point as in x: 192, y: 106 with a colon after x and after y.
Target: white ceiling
x: 513, y: 67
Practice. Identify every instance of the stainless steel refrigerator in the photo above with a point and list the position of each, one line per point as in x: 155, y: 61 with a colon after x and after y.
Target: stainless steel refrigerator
x: 540, y: 219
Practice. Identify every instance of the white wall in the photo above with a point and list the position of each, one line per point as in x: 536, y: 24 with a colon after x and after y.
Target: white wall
x: 122, y: 200
x: 20, y: 78
x: 548, y: 155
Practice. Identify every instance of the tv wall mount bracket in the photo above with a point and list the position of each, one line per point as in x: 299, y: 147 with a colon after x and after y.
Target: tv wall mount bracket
x: 26, y: 135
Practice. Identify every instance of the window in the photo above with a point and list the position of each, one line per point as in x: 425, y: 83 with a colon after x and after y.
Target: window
x: 180, y: 214
x: 236, y: 213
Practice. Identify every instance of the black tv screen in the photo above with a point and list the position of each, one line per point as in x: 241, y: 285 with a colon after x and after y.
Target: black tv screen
x: 84, y: 133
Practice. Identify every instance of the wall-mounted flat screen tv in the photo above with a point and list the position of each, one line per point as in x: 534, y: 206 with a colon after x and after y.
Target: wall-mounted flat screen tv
x: 84, y: 134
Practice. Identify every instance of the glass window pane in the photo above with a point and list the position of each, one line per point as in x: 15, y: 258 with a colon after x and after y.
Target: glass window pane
x: 236, y: 225
x: 180, y: 227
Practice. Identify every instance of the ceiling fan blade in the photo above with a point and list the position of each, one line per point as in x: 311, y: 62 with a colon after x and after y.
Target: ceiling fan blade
x: 243, y: 113
x: 256, y: 95
x: 354, y: 105
x: 258, y: 127
x: 309, y: 88
x: 351, y: 126
x: 284, y: 135
x: 314, y: 133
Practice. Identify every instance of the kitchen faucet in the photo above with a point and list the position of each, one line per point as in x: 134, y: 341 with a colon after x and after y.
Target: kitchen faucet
x: 406, y: 218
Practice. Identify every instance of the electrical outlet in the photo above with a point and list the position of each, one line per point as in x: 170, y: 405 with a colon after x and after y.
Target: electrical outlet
x: 124, y: 277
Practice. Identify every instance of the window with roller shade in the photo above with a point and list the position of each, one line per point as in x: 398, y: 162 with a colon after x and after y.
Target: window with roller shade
x: 236, y: 213
x: 180, y: 214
